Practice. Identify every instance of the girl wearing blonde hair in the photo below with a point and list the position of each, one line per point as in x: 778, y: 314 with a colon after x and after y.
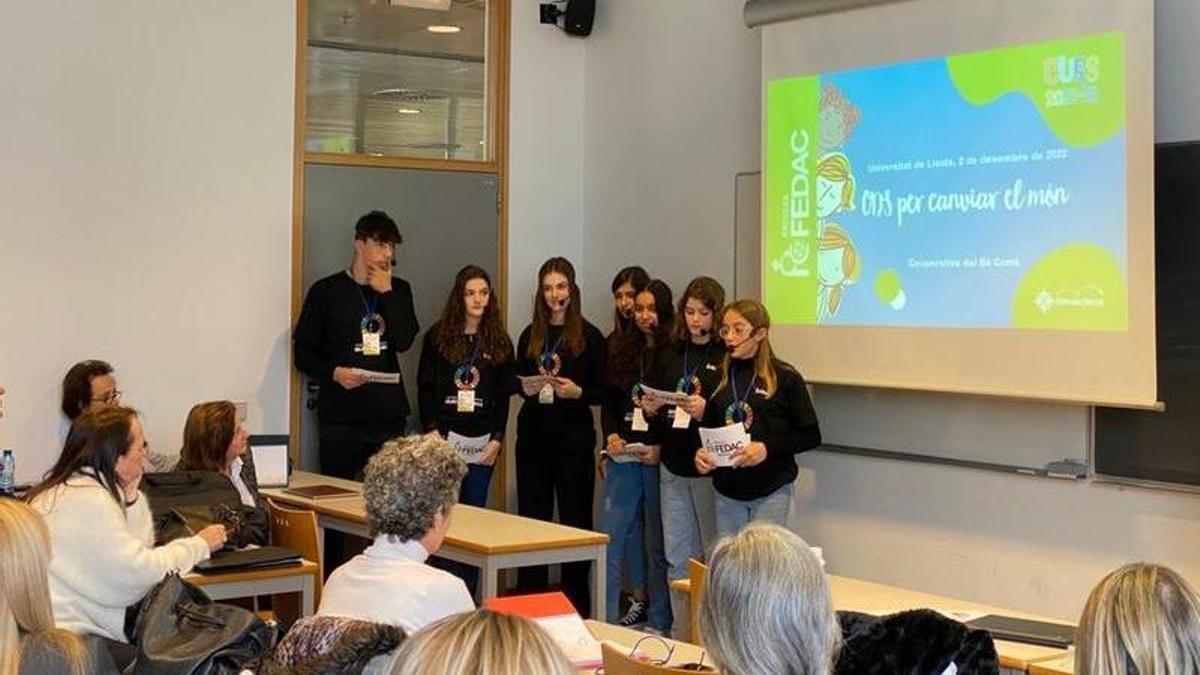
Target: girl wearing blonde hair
x: 482, y: 642
x: 835, y: 185
x: 770, y: 400
x: 1140, y: 619
x: 838, y: 266
x: 29, y: 640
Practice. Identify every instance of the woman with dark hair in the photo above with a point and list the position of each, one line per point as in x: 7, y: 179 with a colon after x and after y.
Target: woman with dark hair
x: 631, y: 484
x: 770, y: 400
x: 101, y: 529
x: 625, y: 286
x: 215, y: 441
x: 691, y: 365
x: 89, y: 385
x: 561, y: 358
x: 466, y: 377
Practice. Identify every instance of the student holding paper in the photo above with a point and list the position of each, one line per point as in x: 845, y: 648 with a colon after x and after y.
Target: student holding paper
x: 631, y: 489
x: 560, y: 359
x: 466, y: 377
x: 691, y: 365
x: 767, y: 400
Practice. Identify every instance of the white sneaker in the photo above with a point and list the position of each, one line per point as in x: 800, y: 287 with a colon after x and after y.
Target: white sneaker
x: 635, y: 616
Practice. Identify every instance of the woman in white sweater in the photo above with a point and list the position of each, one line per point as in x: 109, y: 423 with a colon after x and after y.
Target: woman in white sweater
x: 101, y: 530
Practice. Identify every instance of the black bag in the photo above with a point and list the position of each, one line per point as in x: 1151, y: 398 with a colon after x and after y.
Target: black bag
x: 182, y: 502
x: 180, y: 631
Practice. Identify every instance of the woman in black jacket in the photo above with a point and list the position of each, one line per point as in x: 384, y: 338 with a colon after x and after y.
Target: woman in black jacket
x: 466, y: 377
x: 770, y: 400
x: 561, y: 358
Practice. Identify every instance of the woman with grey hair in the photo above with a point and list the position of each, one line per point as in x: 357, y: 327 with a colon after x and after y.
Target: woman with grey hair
x: 411, y: 484
x: 766, y: 608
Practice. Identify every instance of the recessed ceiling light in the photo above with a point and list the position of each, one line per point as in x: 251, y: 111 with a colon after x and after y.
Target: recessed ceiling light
x: 408, y: 111
x: 442, y: 29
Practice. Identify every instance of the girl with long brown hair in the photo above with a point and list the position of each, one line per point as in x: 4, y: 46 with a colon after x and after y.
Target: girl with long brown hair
x: 561, y: 358
x: 770, y: 400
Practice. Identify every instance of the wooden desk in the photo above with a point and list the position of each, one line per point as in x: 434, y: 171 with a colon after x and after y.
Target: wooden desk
x: 483, y: 538
x: 300, y: 578
x: 868, y: 597
x: 1063, y: 665
x: 684, y: 652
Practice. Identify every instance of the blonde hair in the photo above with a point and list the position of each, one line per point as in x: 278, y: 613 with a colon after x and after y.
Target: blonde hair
x: 833, y: 237
x: 482, y: 642
x: 24, y: 589
x: 767, y: 607
x: 836, y: 167
x: 1141, y: 618
x: 756, y: 315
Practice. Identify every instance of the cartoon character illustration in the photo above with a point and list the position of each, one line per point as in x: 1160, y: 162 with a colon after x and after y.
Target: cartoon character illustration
x: 838, y: 266
x: 792, y: 261
x: 835, y: 185
x: 837, y: 118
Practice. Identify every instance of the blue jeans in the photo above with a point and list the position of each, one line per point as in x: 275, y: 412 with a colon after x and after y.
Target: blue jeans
x: 631, y: 498
x: 734, y: 514
x: 689, y: 529
x: 475, y: 484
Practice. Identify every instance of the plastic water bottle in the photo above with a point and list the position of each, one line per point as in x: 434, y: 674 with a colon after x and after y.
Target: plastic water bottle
x: 8, y: 473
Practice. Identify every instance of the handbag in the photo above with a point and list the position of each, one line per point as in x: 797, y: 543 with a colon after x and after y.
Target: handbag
x: 185, y: 502
x: 180, y: 631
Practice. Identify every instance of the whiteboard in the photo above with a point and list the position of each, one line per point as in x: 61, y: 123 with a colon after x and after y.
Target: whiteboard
x: 982, y: 431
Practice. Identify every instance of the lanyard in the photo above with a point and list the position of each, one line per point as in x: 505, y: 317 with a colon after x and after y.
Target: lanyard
x: 369, y: 305
x: 740, y: 401
x: 475, y: 355
x: 689, y: 374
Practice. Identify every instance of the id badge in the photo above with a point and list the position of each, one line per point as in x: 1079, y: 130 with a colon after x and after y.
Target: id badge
x: 546, y: 395
x: 681, y: 420
x: 639, y: 420
x: 371, y: 344
x: 466, y: 400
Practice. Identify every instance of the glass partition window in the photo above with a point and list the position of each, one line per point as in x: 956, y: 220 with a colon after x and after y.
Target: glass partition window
x: 405, y: 78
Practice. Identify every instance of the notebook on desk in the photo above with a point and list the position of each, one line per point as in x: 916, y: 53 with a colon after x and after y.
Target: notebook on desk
x: 251, y: 558
x: 321, y: 491
x: 1025, y: 630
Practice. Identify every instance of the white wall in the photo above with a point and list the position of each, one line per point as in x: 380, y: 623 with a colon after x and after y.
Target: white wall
x: 672, y: 112
x: 670, y: 88
x: 145, y: 210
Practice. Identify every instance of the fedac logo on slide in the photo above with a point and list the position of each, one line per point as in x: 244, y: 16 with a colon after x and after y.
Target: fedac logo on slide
x: 980, y: 190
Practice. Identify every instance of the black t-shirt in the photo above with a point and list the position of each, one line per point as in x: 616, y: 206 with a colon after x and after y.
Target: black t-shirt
x: 567, y: 419
x: 616, y: 407
x: 703, y: 363
x: 786, y: 423
x: 437, y: 390
x: 329, y: 334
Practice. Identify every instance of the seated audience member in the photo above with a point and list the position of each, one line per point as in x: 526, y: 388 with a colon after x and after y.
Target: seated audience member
x: 1140, y: 619
x: 89, y: 385
x: 100, y: 526
x: 481, y: 642
x: 214, y: 440
x: 29, y: 640
x: 766, y: 606
x: 410, y: 486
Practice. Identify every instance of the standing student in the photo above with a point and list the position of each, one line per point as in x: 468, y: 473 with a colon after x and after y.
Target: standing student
x: 691, y: 365
x: 631, y: 483
x: 467, y: 374
x: 357, y: 320
x: 556, y: 438
x: 625, y: 286
x: 770, y: 399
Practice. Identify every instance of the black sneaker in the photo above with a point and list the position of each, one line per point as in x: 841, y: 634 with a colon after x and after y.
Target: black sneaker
x: 635, y: 616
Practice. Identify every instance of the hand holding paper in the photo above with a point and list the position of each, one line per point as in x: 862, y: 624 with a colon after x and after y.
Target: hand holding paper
x: 471, y: 448
x: 722, y: 442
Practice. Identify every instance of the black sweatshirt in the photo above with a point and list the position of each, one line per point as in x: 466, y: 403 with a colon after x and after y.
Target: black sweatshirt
x: 437, y: 392
x: 567, y: 420
x: 326, y: 335
x: 616, y: 405
x: 704, y: 361
x: 786, y: 423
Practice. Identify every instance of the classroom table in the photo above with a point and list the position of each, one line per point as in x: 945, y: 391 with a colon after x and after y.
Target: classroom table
x: 653, y: 647
x: 1063, y: 665
x: 296, y: 578
x: 856, y: 595
x: 484, y: 538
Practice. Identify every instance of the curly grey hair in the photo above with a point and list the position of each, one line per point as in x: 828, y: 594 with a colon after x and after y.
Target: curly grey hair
x: 407, y: 482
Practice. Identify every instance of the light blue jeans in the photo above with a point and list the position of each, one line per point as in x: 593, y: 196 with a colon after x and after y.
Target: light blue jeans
x: 689, y: 529
x: 734, y: 514
x: 631, y: 494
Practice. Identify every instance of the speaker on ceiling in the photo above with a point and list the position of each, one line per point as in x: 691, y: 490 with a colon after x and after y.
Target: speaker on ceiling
x: 576, y: 15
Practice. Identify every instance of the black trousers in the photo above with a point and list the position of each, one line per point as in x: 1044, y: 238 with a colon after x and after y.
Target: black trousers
x: 345, y: 448
x: 553, y: 466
